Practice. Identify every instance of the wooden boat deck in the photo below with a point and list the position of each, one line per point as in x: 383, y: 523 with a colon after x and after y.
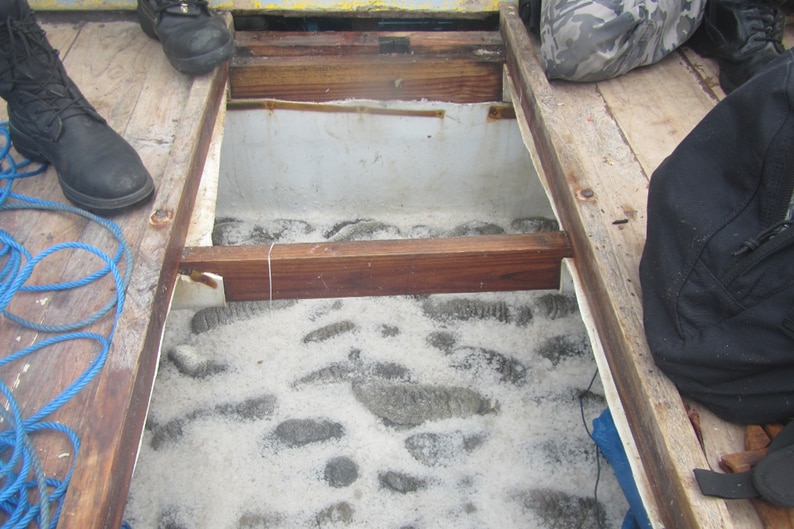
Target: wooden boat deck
x: 596, y: 144
x: 168, y: 118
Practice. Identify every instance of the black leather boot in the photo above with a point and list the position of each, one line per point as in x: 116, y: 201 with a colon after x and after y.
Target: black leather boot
x: 529, y: 12
x: 51, y: 122
x: 743, y: 35
x: 194, y: 39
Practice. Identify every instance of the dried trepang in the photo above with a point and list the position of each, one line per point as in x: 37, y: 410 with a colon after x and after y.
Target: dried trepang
x: 190, y: 362
x: 441, y: 449
x: 413, y: 404
x: 558, y: 348
x: 534, y: 225
x: 467, y: 309
x: 329, y: 331
x: 299, y: 432
x: 475, y: 227
x: 353, y: 370
x: 361, y: 230
x: 509, y: 369
x: 207, y: 319
x: 554, y: 305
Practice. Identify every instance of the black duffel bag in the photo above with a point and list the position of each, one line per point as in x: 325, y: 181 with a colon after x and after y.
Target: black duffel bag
x: 717, y: 271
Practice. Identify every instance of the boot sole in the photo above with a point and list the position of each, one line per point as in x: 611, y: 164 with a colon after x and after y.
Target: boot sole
x: 99, y: 206
x: 105, y: 207
x: 192, y: 65
x: 204, y: 63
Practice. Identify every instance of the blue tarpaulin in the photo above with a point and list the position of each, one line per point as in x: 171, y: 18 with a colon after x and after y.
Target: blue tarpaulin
x: 606, y: 437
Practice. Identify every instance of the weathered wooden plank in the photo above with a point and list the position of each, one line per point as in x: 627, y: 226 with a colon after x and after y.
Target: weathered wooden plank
x: 708, y: 69
x: 157, y: 235
x: 655, y: 129
x: 346, y: 43
x: 683, y: 89
x: 168, y: 117
x: 39, y: 378
x: 384, y: 268
x: 405, y: 78
x: 166, y: 231
x: 606, y: 256
x: 619, y: 131
x: 370, y: 8
x: 462, y: 67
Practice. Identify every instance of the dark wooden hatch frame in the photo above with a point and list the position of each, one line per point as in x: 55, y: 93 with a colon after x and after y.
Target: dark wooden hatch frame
x: 277, y: 69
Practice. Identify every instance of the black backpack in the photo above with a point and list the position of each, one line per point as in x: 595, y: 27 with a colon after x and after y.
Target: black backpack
x: 717, y: 271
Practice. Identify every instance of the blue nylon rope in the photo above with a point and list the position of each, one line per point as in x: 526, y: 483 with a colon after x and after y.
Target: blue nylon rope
x: 27, y: 495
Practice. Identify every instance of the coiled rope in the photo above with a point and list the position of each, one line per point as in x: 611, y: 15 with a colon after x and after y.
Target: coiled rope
x: 27, y: 494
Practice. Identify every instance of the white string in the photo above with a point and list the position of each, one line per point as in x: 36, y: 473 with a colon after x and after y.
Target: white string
x: 270, y: 275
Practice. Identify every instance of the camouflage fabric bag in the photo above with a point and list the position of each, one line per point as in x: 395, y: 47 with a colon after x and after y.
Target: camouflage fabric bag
x: 592, y: 40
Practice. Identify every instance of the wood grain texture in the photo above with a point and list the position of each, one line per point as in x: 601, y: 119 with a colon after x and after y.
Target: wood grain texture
x: 167, y: 117
x: 594, y: 176
x: 384, y: 268
x: 348, y: 43
x: 461, y: 67
x: 656, y: 107
x: 598, y: 145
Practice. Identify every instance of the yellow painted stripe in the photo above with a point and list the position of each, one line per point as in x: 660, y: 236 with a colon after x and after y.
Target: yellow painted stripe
x: 436, y: 6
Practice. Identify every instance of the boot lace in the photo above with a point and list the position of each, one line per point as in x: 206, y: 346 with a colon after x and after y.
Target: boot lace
x: 32, y: 76
x: 771, y: 24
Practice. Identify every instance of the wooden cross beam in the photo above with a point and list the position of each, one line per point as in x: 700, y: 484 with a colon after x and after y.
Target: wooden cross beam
x: 383, y: 268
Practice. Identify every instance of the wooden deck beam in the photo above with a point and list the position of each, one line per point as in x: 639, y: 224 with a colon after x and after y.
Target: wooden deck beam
x: 581, y: 212
x: 456, y: 66
x: 384, y: 268
x: 597, y: 145
x: 168, y: 118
